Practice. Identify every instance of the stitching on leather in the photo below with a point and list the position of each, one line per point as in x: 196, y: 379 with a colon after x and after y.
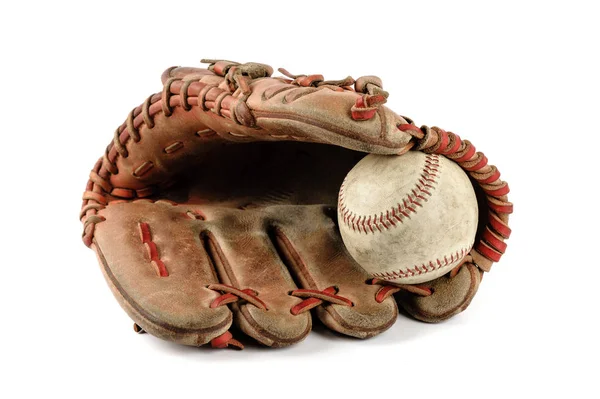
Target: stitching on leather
x: 144, y: 168
x: 269, y: 94
x: 148, y: 317
x: 427, y: 267
x: 233, y: 294
x: 298, y: 93
x: 164, y: 98
x: 238, y: 134
x: 146, y: 236
x: 171, y: 148
x: 107, y: 164
x: 275, y: 136
x: 429, y: 141
x: 394, y: 216
x: 314, y: 298
x: 286, y: 136
x: 129, y: 130
x: 325, y: 125
x: 206, y: 133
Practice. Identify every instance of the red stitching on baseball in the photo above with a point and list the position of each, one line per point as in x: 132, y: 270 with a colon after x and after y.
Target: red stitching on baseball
x: 389, y: 218
x: 487, y: 176
x: 425, y: 267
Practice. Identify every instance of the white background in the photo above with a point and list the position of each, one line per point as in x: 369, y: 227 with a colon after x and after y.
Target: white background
x: 518, y: 79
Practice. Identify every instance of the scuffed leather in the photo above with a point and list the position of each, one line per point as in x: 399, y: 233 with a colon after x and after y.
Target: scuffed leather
x: 269, y: 225
x: 263, y: 169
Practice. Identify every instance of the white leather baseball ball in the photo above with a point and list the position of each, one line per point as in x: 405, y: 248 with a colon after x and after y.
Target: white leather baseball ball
x: 407, y: 219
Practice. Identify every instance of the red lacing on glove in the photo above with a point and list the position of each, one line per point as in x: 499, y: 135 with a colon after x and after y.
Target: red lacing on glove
x: 239, y: 75
x: 315, y: 298
x: 233, y: 294
x: 490, y: 245
x: 225, y: 340
x: 222, y: 341
x: 317, y: 80
x: 389, y: 288
x: 366, y: 105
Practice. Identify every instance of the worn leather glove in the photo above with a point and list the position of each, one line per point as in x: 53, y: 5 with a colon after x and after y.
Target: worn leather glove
x: 216, y: 203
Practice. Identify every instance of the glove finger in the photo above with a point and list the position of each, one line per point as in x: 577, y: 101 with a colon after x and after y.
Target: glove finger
x: 248, y: 263
x: 313, y: 249
x: 155, y: 266
x: 449, y: 295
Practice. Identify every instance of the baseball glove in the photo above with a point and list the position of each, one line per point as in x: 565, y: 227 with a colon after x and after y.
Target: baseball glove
x: 216, y: 202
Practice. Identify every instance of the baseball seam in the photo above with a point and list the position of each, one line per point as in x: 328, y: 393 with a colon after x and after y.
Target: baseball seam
x: 391, y: 217
x: 428, y: 267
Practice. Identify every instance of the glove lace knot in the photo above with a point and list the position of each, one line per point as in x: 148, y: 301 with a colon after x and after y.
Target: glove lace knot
x: 389, y: 288
x: 317, y: 80
x: 366, y: 106
x: 232, y: 294
x: 226, y: 340
x: 239, y: 76
x: 315, y: 298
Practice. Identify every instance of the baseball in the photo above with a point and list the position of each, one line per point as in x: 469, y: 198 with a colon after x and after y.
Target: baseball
x: 407, y: 219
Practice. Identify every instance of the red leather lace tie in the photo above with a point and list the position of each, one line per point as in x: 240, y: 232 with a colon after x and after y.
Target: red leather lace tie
x: 315, y: 298
x: 389, y: 288
x: 490, y: 244
x: 226, y: 340
x: 232, y: 294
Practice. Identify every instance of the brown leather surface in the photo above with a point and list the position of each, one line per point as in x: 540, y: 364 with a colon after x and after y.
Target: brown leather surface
x: 450, y: 296
x: 230, y: 176
x: 268, y: 226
